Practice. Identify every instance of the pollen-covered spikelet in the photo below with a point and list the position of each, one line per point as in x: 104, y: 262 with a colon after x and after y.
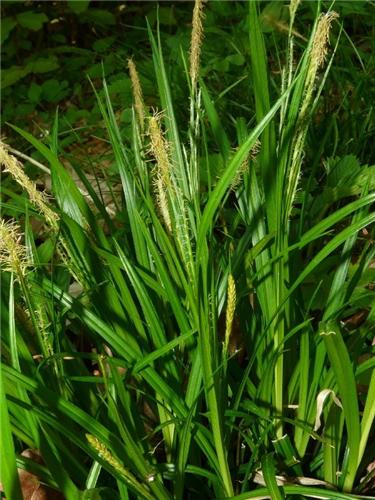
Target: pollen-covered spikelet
x: 244, y: 165
x: 183, y: 237
x: 13, y: 255
x: 162, y: 172
x: 162, y: 202
x: 44, y: 327
x: 318, y: 54
x: 159, y: 149
x: 107, y: 456
x: 320, y: 44
x: 137, y: 93
x: 196, y: 42
x: 231, y: 307
x: 38, y: 199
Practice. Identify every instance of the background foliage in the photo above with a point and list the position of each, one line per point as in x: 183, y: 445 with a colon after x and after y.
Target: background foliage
x: 48, y: 48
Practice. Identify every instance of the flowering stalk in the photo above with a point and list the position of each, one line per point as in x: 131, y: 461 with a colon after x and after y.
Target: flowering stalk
x: 137, y: 94
x: 37, y: 198
x: 13, y: 255
x: 41, y: 203
x: 245, y: 164
x: 195, y: 97
x: 287, y: 73
x: 107, y: 456
x: 318, y: 54
x: 196, y: 42
x: 162, y: 176
x: 231, y: 307
x: 14, y: 259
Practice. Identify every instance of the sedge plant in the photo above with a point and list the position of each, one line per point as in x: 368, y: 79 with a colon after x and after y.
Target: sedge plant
x: 195, y: 345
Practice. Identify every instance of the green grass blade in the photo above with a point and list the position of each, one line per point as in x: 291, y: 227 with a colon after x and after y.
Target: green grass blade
x: 54, y: 462
x: 218, y: 194
x: 218, y: 131
x: 345, y: 380
x: 262, y: 106
x: 297, y: 490
x: 269, y: 473
x: 162, y: 351
x: 368, y: 417
x: 9, y: 473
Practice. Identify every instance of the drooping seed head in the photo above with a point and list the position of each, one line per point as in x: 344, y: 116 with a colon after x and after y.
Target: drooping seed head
x: 320, y: 44
x: 244, y: 165
x: 159, y: 149
x: 318, y: 54
x: 13, y: 254
x: 37, y: 198
x: 162, y: 173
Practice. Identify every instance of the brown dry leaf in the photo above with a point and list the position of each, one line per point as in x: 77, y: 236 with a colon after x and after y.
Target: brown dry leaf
x: 368, y: 480
x: 32, y: 488
x: 356, y: 320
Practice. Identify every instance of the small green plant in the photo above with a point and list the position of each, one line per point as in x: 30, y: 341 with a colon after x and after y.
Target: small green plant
x: 197, y: 342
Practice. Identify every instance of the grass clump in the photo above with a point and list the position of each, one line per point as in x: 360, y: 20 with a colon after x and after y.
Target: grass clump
x: 186, y: 346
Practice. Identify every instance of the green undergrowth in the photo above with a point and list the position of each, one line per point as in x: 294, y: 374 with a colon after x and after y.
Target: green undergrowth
x: 200, y: 323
